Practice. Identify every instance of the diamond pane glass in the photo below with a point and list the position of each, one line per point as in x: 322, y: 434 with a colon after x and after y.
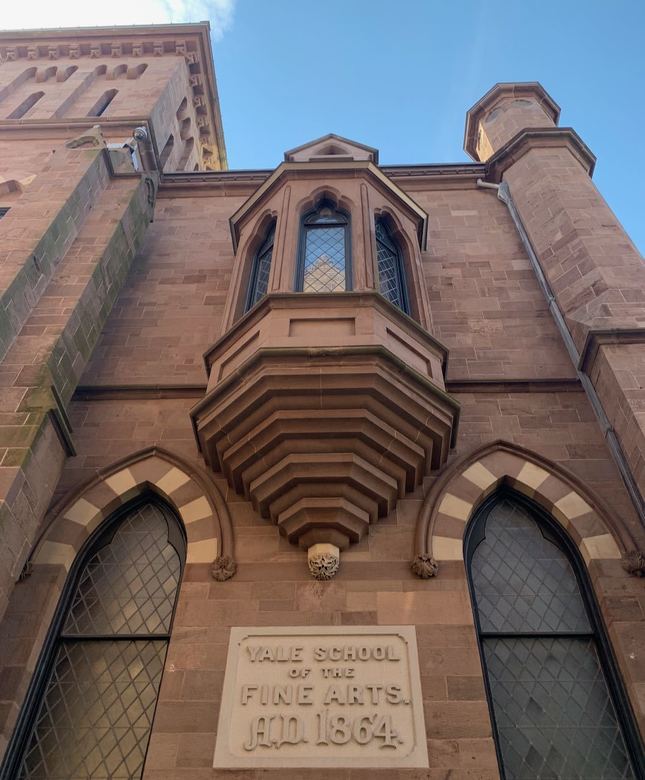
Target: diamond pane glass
x: 555, y: 718
x: 389, y: 268
x: 523, y: 582
x: 324, y: 269
x: 128, y: 586
x: 96, y: 714
x: 262, y: 279
x: 261, y: 271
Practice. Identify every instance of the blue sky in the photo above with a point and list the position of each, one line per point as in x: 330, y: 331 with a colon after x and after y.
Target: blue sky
x: 401, y: 75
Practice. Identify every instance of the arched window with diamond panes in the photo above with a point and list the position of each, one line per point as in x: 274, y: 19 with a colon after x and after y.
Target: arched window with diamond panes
x: 557, y: 704
x: 260, y: 270
x: 324, y: 263
x: 91, y: 711
x: 390, y: 267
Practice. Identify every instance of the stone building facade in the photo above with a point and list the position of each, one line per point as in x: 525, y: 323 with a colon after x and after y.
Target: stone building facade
x: 333, y: 397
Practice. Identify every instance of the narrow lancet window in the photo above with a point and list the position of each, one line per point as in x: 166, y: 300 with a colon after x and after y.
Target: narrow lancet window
x: 390, y: 268
x: 259, y: 279
x: 25, y: 107
x: 166, y: 151
x: 103, y: 102
x: 324, y: 253
x: 93, y: 713
x: 554, y: 706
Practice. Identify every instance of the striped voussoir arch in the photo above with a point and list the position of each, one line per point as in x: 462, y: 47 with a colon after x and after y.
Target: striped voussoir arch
x: 191, y: 493
x: 453, y: 500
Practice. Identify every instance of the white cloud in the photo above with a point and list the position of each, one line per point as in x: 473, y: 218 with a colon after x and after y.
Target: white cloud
x: 72, y: 13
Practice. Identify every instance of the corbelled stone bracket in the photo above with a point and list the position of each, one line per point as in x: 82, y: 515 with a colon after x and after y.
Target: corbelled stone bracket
x: 323, y: 411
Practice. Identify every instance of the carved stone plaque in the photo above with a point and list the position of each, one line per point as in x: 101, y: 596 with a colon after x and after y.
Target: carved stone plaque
x: 322, y: 697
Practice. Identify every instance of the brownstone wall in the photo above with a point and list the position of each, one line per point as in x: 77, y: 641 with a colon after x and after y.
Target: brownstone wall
x: 486, y: 305
x: 171, y: 308
x: 74, y: 95
x: 487, y: 308
x: 594, y: 270
x: 152, y: 87
x: 618, y: 373
x: 21, y: 162
x: 273, y: 587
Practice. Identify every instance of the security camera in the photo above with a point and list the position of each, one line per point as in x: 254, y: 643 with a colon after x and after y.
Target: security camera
x: 141, y: 133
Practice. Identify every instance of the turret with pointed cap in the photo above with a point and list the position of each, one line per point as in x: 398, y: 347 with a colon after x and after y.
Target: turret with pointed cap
x: 504, y: 111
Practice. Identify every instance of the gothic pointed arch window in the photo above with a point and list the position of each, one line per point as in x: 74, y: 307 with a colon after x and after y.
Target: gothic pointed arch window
x: 260, y: 270
x: 391, y: 273
x: 90, y: 712
x: 557, y: 705
x: 324, y: 261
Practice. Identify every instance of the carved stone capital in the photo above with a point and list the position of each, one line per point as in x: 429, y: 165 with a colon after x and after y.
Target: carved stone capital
x: 634, y: 563
x: 323, y: 560
x: 223, y: 568
x: 424, y: 566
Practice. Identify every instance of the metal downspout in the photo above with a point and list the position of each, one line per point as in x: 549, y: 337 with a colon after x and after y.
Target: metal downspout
x: 504, y: 194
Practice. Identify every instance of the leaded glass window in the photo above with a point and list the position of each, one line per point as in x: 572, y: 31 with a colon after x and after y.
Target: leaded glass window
x: 324, y: 256
x: 259, y: 280
x: 553, y: 711
x: 97, y: 701
x: 390, y: 268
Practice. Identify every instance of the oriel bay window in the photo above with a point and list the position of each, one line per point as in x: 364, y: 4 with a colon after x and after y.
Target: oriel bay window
x: 90, y: 713
x: 557, y: 705
x: 324, y: 262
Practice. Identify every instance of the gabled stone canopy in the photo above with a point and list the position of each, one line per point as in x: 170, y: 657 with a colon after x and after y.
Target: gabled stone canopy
x: 332, y: 148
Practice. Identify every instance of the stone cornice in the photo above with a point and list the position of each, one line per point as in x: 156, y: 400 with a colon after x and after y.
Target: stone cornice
x: 435, y: 170
x: 311, y: 300
x: 543, y: 138
x: 326, y: 171
x: 458, y: 171
x: 192, y: 41
x: 143, y: 392
x: 597, y: 338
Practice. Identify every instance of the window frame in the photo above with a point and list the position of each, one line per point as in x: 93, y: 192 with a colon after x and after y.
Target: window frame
x: 400, y: 264
x: 606, y: 657
x: 344, y: 222
x: 269, y: 233
x: 102, y: 536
